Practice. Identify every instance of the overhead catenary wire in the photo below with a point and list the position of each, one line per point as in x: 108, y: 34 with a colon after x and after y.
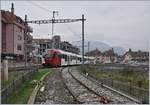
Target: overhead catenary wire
x: 47, y: 10
x: 39, y: 6
x: 74, y: 33
x: 71, y: 30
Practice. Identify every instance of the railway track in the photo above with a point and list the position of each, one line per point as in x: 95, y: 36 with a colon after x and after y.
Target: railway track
x: 111, y: 89
x: 86, y: 91
x: 80, y: 92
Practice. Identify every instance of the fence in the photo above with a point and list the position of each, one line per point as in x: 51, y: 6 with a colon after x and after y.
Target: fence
x: 16, y: 84
x: 136, y: 92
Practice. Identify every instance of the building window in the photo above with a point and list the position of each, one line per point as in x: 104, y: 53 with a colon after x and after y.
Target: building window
x: 19, y: 47
x: 19, y: 29
x: 4, y: 47
x: 19, y: 37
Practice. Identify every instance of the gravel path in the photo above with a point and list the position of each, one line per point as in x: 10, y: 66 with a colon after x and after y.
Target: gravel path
x: 54, y: 92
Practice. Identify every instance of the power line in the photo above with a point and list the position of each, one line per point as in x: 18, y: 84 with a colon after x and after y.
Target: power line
x: 45, y: 9
x: 37, y: 5
x: 70, y: 29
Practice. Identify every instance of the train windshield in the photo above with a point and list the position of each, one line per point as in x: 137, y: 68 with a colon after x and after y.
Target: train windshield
x: 48, y: 56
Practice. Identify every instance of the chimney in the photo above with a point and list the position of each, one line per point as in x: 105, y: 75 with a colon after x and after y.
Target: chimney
x: 130, y: 50
x: 12, y: 8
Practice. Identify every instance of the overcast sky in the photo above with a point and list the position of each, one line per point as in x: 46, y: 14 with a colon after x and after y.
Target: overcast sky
x: 117, y: 23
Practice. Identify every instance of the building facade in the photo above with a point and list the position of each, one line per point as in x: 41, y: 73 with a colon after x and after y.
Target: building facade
x: 136, y: 56
x: 13, y: 28
x: 41, y: 45
x: 103, y: 57
x: 109, y: 57
x: 66, y: 46
x: 55, y: 43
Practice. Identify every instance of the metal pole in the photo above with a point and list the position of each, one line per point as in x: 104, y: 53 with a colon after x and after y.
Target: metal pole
x: 82, y: 42
x: 53, y: 28
x: 53, y: 21
x: 88, y: 50
x: 25, y: 37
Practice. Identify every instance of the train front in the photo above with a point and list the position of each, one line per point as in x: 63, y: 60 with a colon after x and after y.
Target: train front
x: 52, y: 58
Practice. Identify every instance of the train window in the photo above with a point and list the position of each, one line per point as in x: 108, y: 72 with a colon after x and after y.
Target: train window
x: 80, y: 59
x: 70, y: 58
x: 48, y: 56
x: 55, y: 55
x: 60, y: 55
x: 73, y: 57
x: 65, y: 56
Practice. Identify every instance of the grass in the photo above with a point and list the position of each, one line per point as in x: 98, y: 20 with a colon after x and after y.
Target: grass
x: 22, y: 96
x: 12, y: 76
x: 135, y: 77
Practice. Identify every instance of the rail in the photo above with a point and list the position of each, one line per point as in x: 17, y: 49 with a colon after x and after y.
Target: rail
x: 102, y: 99
x: 122, y: 94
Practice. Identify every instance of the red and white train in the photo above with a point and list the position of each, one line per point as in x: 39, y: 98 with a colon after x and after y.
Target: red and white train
x: 57, y: 58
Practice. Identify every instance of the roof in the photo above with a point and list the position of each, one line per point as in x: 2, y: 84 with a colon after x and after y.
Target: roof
x: 10, y: 17
x: 109, y: 53
x: 94, y: 52
x: 42, y: 40
x: 138, y: 53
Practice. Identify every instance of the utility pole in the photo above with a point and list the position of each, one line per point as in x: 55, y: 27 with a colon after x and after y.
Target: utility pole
x: 63, y: 21
x: 88, y: 50
x: 25, y: 40
x: 53, y: 21
x: 82, y: 42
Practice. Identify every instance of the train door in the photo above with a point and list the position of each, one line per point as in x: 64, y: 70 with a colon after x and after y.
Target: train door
x: 56, y: 59
x: 76, y: 58
x: 68, y: 57
x: 66, y: 60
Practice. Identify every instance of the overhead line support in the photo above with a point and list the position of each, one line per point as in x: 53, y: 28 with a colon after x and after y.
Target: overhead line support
x: 64, y: 21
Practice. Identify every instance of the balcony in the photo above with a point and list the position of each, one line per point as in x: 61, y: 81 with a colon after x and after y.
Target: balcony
x: 29, y: 29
